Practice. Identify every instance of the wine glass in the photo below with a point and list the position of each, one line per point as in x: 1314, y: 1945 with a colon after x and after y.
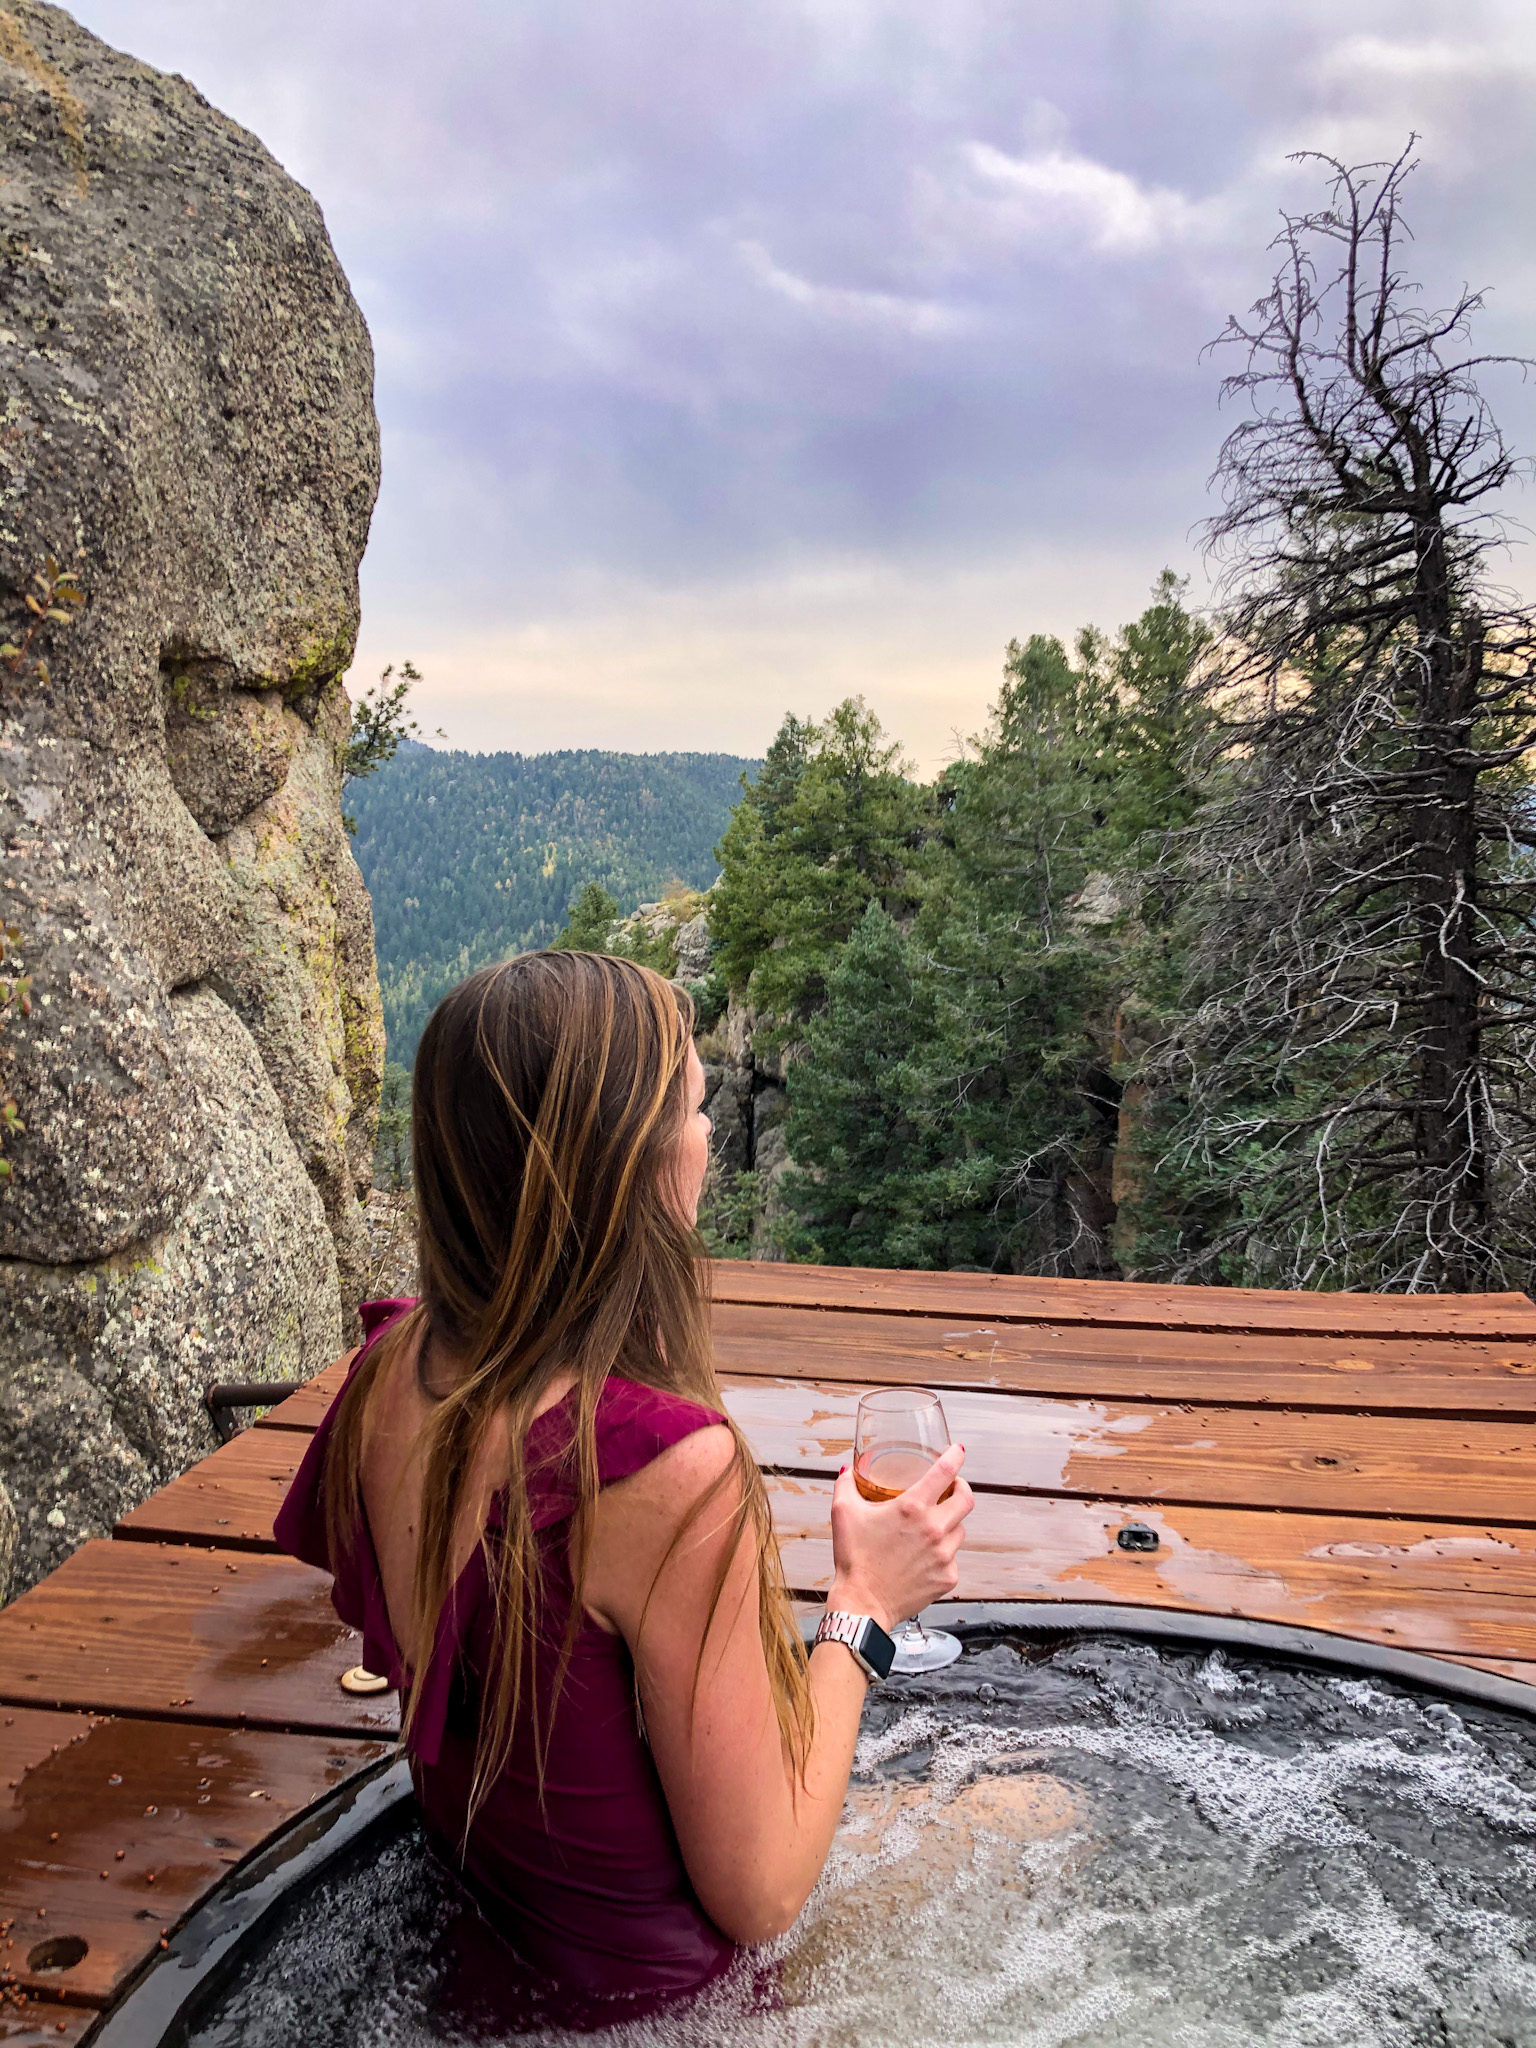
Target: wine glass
x: 899, y: 1433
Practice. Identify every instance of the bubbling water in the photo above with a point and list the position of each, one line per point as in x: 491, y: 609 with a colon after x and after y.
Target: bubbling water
x: 1103, y: 1844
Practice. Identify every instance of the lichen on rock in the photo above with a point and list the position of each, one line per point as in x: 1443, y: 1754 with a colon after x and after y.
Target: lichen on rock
x: 186, y: 423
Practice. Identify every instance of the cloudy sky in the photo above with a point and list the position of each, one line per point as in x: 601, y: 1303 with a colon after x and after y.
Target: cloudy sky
x: 734, y: 355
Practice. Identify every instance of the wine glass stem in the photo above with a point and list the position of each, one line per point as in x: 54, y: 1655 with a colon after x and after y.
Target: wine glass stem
x: 912, y: 1633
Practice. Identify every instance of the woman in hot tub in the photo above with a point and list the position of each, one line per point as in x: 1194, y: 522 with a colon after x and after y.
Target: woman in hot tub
x: 551, y: 1536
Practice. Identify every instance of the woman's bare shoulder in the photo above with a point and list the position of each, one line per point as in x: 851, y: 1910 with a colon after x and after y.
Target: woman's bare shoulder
x: 662, y: 1494
x: 686, y: 1468
x: 641, y: 1522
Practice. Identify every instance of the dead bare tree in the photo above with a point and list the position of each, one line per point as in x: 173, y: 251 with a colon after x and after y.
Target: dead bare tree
x: 1350, y: 1091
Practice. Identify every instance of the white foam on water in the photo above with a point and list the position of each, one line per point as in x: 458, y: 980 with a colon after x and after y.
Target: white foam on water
x: 1130, y: 1876
x: 1217, y: 1676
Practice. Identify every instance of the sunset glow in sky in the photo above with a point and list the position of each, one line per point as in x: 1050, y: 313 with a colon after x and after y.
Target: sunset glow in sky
x: 733, y: 358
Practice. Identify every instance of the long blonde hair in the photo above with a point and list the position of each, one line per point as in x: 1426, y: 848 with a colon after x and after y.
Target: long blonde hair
x: 547, y: 1106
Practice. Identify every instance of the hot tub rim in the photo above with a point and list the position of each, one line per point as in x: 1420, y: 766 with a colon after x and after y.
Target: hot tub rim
x: 173, y: 1985
x: 1422, y: 1670
x: 207, y: 1948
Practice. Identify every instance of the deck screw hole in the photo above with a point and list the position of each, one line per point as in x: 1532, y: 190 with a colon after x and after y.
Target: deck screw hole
x: 58, y: 1952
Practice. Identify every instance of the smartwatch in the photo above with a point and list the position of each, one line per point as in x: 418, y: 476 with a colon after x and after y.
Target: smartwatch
x: 863, y: 1635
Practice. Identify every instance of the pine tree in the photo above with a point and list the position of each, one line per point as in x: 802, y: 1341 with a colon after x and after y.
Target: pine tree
x: 977, y: 1048
x: 392, y: 1142
x: 1024, y: 969
x: 588, y: 922
x: 880, y: 1183
x: 829, y: 826
x: 1161, y: 666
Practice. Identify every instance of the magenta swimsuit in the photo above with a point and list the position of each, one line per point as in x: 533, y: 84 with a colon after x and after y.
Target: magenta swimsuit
x: 588, y: 1884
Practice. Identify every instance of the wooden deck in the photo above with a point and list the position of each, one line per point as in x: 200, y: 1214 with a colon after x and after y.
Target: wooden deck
x: 1360, y: 1465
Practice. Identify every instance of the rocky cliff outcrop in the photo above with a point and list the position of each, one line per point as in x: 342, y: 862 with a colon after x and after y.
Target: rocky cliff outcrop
x: 747, y: 1102
x: 186, y: 424
x: 744, y: 1093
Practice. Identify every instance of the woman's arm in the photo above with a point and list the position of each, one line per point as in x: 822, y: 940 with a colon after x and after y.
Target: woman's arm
x: 753, y: 1837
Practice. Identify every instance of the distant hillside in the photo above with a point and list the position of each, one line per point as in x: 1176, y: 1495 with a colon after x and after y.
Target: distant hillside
x: 470, y: 857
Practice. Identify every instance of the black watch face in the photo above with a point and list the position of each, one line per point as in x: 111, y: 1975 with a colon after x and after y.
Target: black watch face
x: 877, y: 1649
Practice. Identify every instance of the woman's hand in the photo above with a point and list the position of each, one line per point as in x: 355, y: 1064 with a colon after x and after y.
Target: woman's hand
x: 891, y: 1558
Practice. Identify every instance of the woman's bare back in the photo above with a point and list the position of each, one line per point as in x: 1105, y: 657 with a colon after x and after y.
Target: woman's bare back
x: 392, y: 1476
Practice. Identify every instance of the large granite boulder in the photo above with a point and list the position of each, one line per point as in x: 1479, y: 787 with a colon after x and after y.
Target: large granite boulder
x: 186, y: 424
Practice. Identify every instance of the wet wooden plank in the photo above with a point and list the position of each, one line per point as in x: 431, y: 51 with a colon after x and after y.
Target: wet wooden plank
x: 1379, y: 1374
x: 40, y: 2023
x: 1430, y: 1370
x: 305, y: 1410
x: 1014, y: 1298
x: 1355, y: 1465
x: 194, y: 1635
x: 1188, y: 1453
x: 228, y: 1499
x: 1467, y: 1591
x: 1382, y: 1374
x: 1504, y: 1666
x: 111, y: 1830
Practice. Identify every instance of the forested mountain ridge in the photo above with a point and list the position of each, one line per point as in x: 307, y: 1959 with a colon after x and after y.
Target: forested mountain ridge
x: 469, y: 857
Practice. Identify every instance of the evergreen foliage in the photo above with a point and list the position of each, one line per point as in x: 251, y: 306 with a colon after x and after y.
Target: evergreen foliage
x: 471, y: 857
x: 589, y: 923
x: 381, y: 724
x: 828, y: 826
x: 392, y: 1140
x: 950, y: 962
x: 881, y: 1188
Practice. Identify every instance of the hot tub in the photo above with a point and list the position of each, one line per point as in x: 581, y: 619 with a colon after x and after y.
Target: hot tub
x: 1082, y: 1838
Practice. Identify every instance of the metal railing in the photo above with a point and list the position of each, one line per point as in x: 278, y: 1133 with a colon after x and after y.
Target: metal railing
x: 222, y: 1401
